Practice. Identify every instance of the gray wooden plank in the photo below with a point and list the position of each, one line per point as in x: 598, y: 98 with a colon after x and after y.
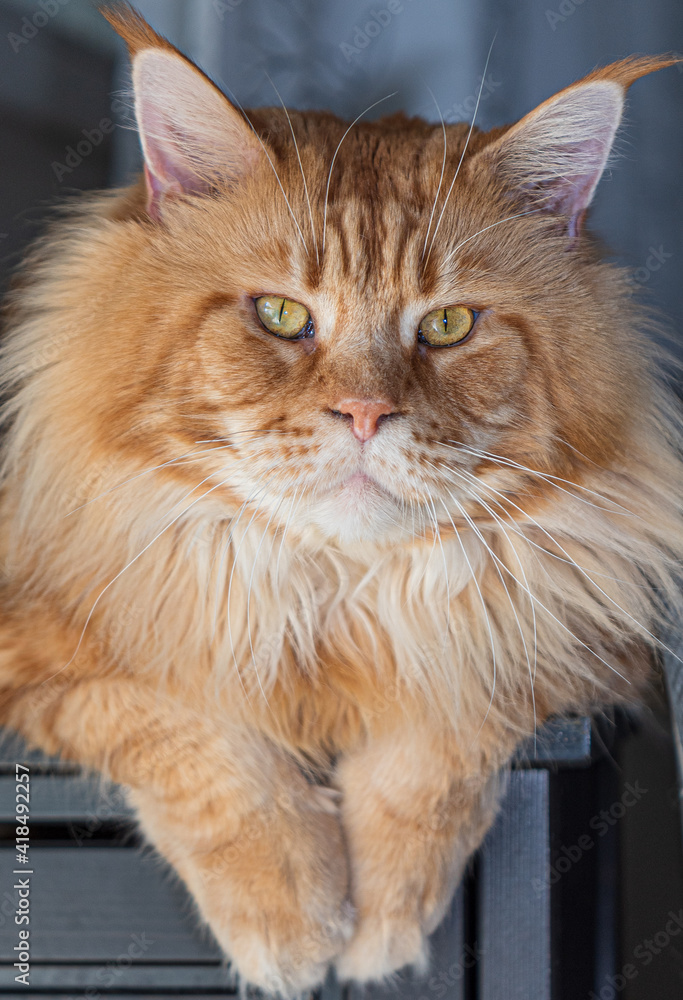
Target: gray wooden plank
x: 331, y: 988
x: 13, y: 750
x: 567, y: 742
x: 514, y: 895
x: 450, y: 960
x: 122, y: 974
x: 86, y: 802
x: 88, y: 903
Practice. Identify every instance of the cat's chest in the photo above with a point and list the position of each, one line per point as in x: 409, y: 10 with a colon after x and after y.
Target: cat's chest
x: 356, y: 646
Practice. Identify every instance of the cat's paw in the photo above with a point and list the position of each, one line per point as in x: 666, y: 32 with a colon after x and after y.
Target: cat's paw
x: 286, y: 952
x: 277, y: 897
x: 381, y: 945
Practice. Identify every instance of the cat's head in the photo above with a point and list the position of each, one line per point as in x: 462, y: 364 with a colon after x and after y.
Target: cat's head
x: 360, y: 320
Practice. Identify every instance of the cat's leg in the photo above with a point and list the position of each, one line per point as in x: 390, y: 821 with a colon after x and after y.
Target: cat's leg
x: 414, y: 809
x: 260, y: 847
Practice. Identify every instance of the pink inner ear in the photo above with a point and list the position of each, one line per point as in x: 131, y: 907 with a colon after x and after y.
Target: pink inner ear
x: 190, y: 133
x: 559, y: 151
x: 571, y: 195
x: 167, y: 160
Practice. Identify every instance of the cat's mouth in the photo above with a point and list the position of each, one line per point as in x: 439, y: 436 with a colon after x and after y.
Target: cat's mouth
x: 361, y: 487
x: 355, y: 507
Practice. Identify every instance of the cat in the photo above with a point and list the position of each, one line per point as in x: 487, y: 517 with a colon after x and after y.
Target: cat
x: 336, y: 462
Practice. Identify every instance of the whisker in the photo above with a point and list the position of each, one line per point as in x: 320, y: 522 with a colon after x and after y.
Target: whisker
x: 532, y: 674
x: 548, y: 477
x: 329, y: 175
x: 443, y: 169
x: 301, y: 168
x: 139, y: 475
x: 173, y: 461
x: 431, y: 510
x: 541, y: 605
x: 251, y: 581
x: 284, y: 533
x: 462, y: 157
x: 122, y: 571
x: 597, y: 586
x: 486, y: 616
x: 256, y: 430
x: 493, y: 225
x: 277, y: 176
x: 512, y: 526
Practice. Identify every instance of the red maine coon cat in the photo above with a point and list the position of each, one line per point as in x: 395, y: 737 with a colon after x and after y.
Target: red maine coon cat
x: 336, y: 462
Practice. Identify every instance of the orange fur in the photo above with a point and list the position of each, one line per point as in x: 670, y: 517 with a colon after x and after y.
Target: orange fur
x: 310, y: 691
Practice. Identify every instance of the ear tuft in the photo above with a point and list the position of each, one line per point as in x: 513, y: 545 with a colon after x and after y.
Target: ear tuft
x: 555, y: 155
x: 192, y: 137
x: 133, y: 28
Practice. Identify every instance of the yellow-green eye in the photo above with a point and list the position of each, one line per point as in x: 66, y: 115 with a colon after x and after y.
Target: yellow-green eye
x: 445, y: 327
x: 284, y: 317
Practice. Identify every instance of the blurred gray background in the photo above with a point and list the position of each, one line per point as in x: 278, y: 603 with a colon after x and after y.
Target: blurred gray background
x: 62, y: 69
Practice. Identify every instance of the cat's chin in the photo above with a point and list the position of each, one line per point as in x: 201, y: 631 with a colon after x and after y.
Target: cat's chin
x: 357, y: 510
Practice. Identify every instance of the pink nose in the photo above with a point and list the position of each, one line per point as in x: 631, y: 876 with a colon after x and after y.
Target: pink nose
x: 366, y: 414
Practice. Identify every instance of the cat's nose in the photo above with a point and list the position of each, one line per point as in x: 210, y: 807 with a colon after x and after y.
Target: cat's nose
x: 365, y: 413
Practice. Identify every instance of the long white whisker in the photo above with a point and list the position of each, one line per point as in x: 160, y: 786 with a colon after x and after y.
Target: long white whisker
x: 126, y: 567
x: 445, y: 567
x: 292, y: 508
x: 329, y: 175
x: 548, y: 611
x: 301, y: 168
x: 462, y: 157
x: 551, y: 479
x: 234, y: 521
x: 443, y: 169
x: 181, y: 459
x: 493, y: 225
x: 597, y: 586
x: 532, y: 673
x: 251, y: 581
x: 486, y: 616
x: 277, y: 176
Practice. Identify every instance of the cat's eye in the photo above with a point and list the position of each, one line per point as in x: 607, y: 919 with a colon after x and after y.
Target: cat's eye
x: 284, y: 317
x: 446, y: 327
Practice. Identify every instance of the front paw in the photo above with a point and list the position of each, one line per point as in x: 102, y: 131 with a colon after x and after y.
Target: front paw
x: 284, y: 951
x: 382, y: 944
x: 277, y: 897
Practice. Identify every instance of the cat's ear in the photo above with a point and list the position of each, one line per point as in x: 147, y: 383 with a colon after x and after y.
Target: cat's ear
x: 191, y: 135
x: 555, y: 155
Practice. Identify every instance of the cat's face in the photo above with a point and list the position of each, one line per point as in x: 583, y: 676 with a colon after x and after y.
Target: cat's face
x: 357, y: 422
x: 363, y: 336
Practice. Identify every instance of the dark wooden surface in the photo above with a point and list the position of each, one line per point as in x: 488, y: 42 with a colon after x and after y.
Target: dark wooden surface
x: 99, y: 894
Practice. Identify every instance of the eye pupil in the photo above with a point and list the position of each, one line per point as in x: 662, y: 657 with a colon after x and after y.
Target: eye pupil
x: 446, y: 327
x: 284, y: 317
